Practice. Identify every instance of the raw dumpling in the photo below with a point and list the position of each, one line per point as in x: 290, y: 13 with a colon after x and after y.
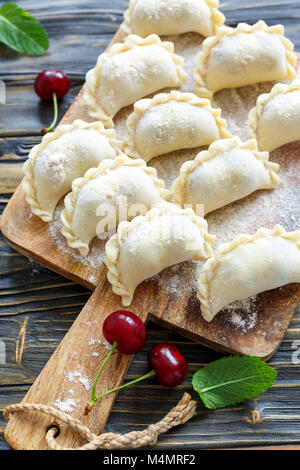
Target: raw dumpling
x: 172, y: 121
x: 61, y: 157
x: 248, y: 265
x: 97, y: 197
x: 229, y: 170
x: 129, y: 71
x: 164, y: 17
x: 145, y: 246
x: 244, y: 55
x: 275, y: 120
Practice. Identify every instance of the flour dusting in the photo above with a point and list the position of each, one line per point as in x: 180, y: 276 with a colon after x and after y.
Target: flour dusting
x: 103, y: 341
x: 243, y: 314
x: 78, y: 376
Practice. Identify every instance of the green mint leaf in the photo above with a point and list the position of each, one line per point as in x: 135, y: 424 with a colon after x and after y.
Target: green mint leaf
x: 21, y: 32
x: 231, y: 380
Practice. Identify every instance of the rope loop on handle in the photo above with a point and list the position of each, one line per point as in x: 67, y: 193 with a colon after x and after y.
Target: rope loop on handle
x: 180, y: 414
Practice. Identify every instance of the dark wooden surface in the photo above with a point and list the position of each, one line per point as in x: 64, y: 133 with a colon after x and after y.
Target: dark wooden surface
x: 37, y: 306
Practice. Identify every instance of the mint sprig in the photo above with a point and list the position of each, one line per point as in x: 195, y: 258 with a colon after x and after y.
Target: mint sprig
x: 21, y: 31
x: 232, y: 380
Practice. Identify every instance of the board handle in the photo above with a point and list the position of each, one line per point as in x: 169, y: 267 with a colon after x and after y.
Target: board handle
x: 67, y: 379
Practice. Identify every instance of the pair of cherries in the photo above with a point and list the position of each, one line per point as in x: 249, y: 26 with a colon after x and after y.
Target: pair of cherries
x: 50, y: 85
x: 127, y: 333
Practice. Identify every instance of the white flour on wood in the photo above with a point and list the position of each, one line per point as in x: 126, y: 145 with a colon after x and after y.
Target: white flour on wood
x: 260, y: 209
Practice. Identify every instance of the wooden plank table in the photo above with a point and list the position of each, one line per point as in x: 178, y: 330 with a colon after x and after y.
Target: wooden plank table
x: 37, y: 306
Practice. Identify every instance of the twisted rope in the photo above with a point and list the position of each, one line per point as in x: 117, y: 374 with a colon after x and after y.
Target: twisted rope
x: 181, y: 413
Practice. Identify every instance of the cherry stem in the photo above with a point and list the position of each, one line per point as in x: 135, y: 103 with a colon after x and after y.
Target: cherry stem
x: 93, y: 398
x: 53, y: 124
x: 139, y: 379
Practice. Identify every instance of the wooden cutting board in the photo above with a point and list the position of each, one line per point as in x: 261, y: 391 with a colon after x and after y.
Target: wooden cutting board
x: 254, y: 327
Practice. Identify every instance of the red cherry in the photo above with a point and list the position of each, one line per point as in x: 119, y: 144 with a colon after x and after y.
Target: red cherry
x: 51, y: 81
x: 127, y: 329
x: 169, y: 364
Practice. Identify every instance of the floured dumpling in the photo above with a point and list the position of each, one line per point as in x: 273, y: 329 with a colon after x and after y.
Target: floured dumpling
x: 244, y: 55
x: 275, y: 120
x: 248, y: 265
x: 130, y: 71
x: 229, y: 170
x: 172, y: 121
x: 165, y: 17
x: 145, y: 246
x: 117, y: 188
x: 62, y: 156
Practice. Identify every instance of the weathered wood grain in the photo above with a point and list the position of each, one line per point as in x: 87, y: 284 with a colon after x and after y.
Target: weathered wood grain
x: 278, y: 408
x: 74, y: 356
x: 50, y: 314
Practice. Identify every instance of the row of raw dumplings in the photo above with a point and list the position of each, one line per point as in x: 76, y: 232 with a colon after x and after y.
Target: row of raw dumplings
x: 170, y: 122
x: 88, y: 159
x: 234, y: 57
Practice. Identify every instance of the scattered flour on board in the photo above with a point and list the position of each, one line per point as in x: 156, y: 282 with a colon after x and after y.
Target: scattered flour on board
x: 93, y: 341
x: 240, y: 320
x: 103, y: 341
x: 78, y: 376
x: 92, y: 279
x: 106, y: 344
x: 68, y: 403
